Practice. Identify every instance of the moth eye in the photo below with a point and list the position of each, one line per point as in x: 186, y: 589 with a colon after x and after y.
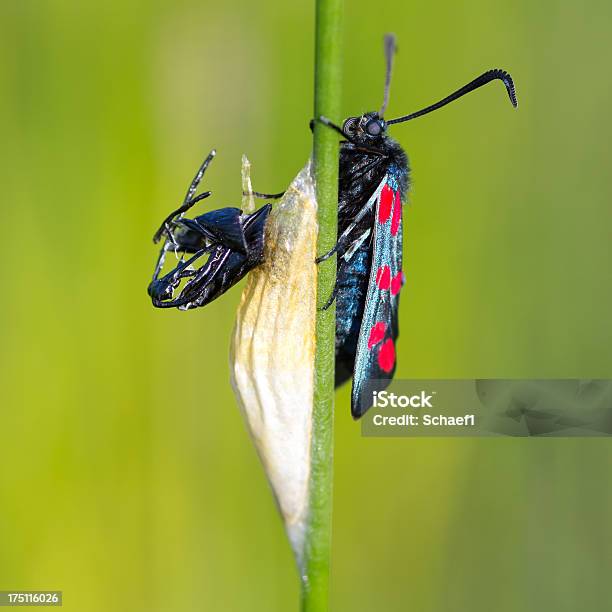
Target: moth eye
x: 349, y: 125
x: 373, y: 128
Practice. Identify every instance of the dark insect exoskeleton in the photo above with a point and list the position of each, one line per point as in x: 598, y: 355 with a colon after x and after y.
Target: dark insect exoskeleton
x: 223, y: 245
x: 373, y: 185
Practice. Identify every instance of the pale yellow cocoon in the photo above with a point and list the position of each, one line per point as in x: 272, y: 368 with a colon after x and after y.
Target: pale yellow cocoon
x: 272, y: 351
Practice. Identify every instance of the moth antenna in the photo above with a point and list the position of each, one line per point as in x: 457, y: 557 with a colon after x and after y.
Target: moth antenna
x: 483, y: 79
x: 390, y: 49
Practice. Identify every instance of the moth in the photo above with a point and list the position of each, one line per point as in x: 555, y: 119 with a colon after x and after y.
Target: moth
x: 374, y: 178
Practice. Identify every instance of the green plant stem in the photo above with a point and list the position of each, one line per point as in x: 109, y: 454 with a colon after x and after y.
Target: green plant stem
x: 328, y: 67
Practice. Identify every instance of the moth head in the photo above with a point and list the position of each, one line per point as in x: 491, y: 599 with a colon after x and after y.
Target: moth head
x: 368, y: 128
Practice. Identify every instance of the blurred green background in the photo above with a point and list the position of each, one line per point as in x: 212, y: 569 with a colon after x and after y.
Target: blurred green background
x: 126, y: 476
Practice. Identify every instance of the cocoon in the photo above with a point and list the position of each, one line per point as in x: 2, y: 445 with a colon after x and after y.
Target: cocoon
x: 273, y: 349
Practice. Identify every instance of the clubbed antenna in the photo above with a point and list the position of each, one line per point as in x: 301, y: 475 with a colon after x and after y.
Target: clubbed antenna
x: 390, y: 49
x: 483, y: 79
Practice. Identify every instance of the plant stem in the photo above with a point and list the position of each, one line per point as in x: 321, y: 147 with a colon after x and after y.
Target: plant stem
x: 328, y: 66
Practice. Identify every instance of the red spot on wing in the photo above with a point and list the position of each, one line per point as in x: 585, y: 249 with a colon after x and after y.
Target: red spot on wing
x: 397, y: 213
x: 396, y: 283
x: 386, y: 200
x: 377, y: 333
x: 386, y: 356
x: 383, y: 277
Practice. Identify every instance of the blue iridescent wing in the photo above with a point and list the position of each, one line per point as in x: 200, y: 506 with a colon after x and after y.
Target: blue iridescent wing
x: 375, y: 359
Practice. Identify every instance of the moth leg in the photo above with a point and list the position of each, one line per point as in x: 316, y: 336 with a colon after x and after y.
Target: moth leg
x: 344, y: 258
x: 331, y: 299
x: 329, y: 123
x: 344, y: 238
x: 161, y: 290
x: 264, y: 196
x: 160, y: 261
x: 339, y: 248
x: 334, y: 292
x: 198, y: 177
x: 329, y: 253
x: 356, y: 145
x: 179, y: 212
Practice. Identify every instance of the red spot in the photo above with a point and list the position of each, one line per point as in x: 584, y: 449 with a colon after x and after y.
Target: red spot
x: 383, y: 277
x: 396, y: 283
x: 386, y: 356
x: 384, y: 208
x: 377, y: 333
x: 397, y: 213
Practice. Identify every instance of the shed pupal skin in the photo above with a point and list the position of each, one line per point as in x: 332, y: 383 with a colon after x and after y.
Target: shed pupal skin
x: 272, y: 352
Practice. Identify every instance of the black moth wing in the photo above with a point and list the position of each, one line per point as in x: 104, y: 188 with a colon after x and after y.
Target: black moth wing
x: 376, y: 355
x: 361, y: 171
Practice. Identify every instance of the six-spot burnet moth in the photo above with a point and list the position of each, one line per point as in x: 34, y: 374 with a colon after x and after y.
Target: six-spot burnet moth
x: 373, y: 185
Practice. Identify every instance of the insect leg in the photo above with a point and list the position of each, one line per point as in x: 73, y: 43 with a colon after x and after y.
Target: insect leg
x: 346, y: 256
x: 165, y: 226
x: 192, y: 294
x: 344, y: 237
x: 331, y: 299
x: 265, y: 196
x: 336, y: 288
x: 329, y: 253
x: 160, y: 289
x: 339, y: 247
x: 160, y: 260
x: 198, y: 177
x: 333, y: 126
